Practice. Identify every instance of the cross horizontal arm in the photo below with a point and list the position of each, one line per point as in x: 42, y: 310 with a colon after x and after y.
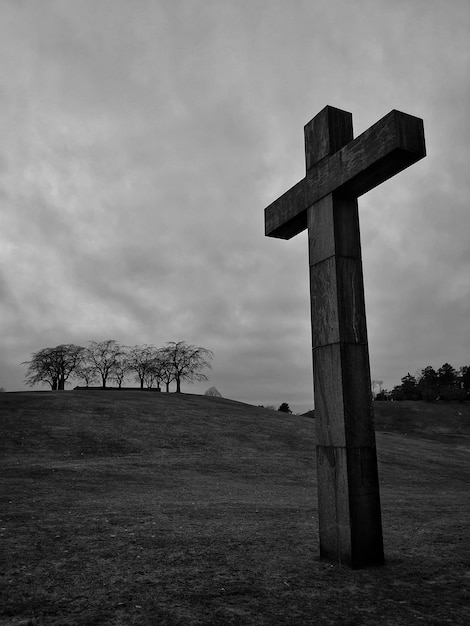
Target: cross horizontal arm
x: 391, y: 145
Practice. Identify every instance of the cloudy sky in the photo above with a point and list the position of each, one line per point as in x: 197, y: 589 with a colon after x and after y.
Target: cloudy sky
x: 141, y: 142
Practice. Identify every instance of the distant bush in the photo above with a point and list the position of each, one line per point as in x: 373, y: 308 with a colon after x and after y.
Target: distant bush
x: 452, y: 394
x: 398, y: 394
x: 383, y: 396
x: 429, y: 394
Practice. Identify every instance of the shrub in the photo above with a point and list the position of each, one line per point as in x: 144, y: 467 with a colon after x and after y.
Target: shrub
x: 429, y: 394
x: 452, y: 394
x: 382, y: 396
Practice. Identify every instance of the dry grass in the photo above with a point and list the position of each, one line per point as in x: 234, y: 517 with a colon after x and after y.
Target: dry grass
x: 140, y: 508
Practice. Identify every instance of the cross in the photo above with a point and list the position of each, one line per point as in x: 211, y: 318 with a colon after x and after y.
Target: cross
x: 339, y: 170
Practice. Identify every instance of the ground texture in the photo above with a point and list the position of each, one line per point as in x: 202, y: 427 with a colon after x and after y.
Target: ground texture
x: 127, y: 508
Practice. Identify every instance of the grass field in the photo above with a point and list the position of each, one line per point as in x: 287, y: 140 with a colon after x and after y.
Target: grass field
x: 127, y: 508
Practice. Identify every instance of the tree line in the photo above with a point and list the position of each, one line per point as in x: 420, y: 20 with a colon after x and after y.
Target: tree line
x: 446, y: 383
x: 104, y: 361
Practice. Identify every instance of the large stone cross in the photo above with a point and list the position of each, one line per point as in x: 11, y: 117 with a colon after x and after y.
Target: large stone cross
x: 339, y: 169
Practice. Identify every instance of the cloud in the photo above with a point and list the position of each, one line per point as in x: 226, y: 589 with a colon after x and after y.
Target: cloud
x: 141, y: 143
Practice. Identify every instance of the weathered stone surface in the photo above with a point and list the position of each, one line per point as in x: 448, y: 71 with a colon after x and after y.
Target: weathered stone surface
x: 339, y: 169
x: 349, y: 506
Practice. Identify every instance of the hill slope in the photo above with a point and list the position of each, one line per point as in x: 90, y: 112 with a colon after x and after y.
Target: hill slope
x: 142, y: 508
x: 424, y: 418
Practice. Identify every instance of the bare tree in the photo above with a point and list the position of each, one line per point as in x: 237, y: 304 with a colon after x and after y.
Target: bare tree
x: 54, y: 366
x: 187, y: 362
x: 41, y: 369
x: 167, y: 371
x: 104, y: 356
x: 121, y: 368
x: 87, y: 373
x: 140, y: 360
x: 158, y: 369
x: 107, y: 360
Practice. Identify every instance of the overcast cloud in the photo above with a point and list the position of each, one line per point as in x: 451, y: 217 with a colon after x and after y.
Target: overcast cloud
x: 141, y: 141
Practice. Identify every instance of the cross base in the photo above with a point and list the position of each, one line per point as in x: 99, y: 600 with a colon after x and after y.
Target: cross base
x: 349, y: 506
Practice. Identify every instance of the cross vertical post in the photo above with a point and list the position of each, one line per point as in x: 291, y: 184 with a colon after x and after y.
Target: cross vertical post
x: 348, y: 488
x: 339, y: 169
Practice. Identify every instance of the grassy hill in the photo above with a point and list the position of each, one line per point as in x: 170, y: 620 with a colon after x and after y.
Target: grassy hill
x: 143, y: 508
x: 439, y: 420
